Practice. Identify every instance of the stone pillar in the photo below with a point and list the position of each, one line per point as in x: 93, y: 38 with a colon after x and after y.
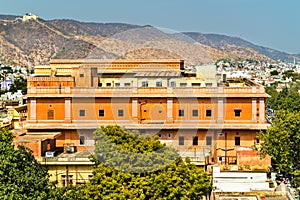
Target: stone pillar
x: 221, y: 110
x: 134, y: 106
x: 261, y: 110
x: 32, y: 109
x: 67, y: 109
x: 170, y: 110
x: 253, y: 110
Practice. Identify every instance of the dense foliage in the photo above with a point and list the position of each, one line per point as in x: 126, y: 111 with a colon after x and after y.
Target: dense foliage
x: 287, y: 99
x: 160, y: 172
x: 21, y: 176
x: 282, y: 139
x: 127, y: 166
x: 19, y: 84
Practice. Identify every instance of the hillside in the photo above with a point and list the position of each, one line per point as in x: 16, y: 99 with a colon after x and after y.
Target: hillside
x: 222, y: 41
x: 35, y: 42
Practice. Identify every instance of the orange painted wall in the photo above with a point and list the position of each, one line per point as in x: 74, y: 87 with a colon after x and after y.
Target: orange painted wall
x: 249, y: 157
x: 247, y: 139
x: 153, y: 109
x: 188, y: 105
x: 244, y: 104
x: 93, y: 105
x: 71, y: 137
x: 56, y: 104
x: 111, y: 107
x: 35, y: 146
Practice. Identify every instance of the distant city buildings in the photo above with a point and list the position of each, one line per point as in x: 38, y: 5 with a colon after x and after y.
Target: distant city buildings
x: 264, y: 73
x: 13, y: 105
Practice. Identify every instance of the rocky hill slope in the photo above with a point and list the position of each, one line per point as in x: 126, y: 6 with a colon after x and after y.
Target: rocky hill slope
x: 35, y: 42
x: 222, y: 41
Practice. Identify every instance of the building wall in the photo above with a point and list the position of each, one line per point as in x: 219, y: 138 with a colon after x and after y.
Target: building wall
x: 34, y: 145
x: 239, y: 181
x: 80, y: 105
x: 148, y: 109
x: 77, y: 174
x: 110, y: 106
x: 243, y: 104
x: 248, y: 157
x: 46, y: 104
x: 72, y: 138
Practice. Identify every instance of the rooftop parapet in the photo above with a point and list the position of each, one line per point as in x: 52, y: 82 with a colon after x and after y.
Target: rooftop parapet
x: 149, y: 91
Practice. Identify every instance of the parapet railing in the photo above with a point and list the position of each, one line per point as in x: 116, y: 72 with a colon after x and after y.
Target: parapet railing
x: 63, y: 159
x: 114, y: 91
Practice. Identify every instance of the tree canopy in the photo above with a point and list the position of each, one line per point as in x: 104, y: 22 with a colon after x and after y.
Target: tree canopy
x: 127, y: 166
x: 19, y: 84
x: 281, y: 140
x: 131, y: 166
x: 21, y: 176
x: 287, y: 99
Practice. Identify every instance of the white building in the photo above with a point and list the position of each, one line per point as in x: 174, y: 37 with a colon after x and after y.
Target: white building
x: 235, y: 181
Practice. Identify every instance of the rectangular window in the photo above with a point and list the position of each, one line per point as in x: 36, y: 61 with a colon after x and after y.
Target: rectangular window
x: 50, y: 114
x: 81, y: 140
x: 120, y: 113
x: 117, y: 84
x: 208, y: 113
x: 108, y: 84
x: 196, y: 84
x: 172, y: 84
x: 237, y: 141
x: 181, y: 140
x: 81, y: 75
x: 237, y: 112
x: 257, y: 140
x: 208, y: 84
x: 183, y: 84
x: 66, y: 180
x: 195, y: 140
x: 181, y: 113
x: 208, y: 140
x: 81, y: 113
x: 144, y: 83
x: 127, y: 84
x: 195, y: 113
x: 158, y: 84
x: 101, y: 113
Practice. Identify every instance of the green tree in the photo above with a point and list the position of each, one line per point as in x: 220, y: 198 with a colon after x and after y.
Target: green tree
x: 131, y: 166
x: 19, y: 84
x: 281, y: 141
x: 274, y: 73
x: 287, y: 99
x: 21, y: 176
x: 272, y: 100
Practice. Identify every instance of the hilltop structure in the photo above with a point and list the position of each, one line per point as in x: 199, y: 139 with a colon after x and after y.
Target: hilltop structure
x: 208, y: 119
x: 29, y: 16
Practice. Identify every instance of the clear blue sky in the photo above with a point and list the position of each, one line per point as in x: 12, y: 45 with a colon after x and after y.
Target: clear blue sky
x: 270, y: 23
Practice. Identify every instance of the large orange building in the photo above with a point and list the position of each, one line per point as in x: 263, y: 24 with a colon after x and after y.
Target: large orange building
x: 212, y: 121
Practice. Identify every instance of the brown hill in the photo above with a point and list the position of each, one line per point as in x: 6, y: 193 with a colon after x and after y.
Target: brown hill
x: 35, y: 42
